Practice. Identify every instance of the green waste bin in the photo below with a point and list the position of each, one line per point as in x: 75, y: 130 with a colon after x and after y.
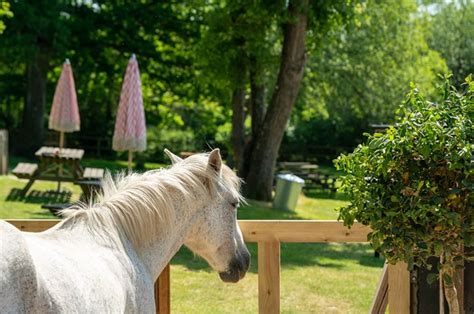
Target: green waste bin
x: 288, y: 188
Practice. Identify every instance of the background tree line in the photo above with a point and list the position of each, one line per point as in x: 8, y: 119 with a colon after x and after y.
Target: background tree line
x: 244, y: 75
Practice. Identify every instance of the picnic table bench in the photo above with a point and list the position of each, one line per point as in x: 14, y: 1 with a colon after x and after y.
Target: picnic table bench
x: 25, y: 170
x: 93, y: 173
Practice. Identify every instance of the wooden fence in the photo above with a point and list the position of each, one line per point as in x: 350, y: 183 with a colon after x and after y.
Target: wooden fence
x: 269, y: 234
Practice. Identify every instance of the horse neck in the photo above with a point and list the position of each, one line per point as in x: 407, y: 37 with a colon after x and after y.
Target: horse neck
x: 154, y: 232
x: 169, y: 238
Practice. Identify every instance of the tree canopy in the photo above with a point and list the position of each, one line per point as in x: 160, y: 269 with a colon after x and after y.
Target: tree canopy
x: 356, y: 76
x: 451, y: 33
x: 214, y: 73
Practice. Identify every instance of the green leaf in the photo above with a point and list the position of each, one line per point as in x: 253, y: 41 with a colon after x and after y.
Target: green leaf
x: 447, y: 279
x: 422, y: 245
x: 432, y: 278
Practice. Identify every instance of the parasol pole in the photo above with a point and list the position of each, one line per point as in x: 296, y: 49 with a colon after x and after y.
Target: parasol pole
x: 61, y: 141
x: 61, y: 145
x: 130, y: 157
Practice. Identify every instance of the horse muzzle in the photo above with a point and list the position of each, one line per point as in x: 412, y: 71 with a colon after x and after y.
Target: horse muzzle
x: 237, y: 269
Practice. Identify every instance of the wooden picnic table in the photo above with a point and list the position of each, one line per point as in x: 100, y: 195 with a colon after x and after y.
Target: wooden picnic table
x: 310, y: 173
x: 55, y: 164
x: 52, y: 159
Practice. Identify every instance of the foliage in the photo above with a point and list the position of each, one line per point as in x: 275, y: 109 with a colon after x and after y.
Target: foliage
x: 4, y: 12
x: 414, y: 185
x: 451, y: 33
x: 98, y: 38
x: 162, y: 39
x: 36, y: 28
x: 355, y: 75
x: 235, y: 33
x: 242, y: 36
x: 191, y: 55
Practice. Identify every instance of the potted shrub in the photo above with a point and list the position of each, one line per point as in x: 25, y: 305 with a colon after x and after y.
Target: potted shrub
x: 413, y: 185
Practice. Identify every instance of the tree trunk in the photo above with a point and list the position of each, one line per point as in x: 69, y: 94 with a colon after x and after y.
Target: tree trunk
x: 257, y: 110
x: 33, y: 113
x: 238, y: 97
x: 452, y: 297
x: 238, y: 127
x: 257, y: 96
x: 267, y: 143
x: 448, y: 278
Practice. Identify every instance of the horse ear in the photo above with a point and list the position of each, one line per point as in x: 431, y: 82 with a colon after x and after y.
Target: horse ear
x: 215, y: 160
x: 173, y: 157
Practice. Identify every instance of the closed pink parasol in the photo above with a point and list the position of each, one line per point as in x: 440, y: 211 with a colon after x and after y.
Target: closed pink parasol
x: 64, y: 116
x: 130, y: 127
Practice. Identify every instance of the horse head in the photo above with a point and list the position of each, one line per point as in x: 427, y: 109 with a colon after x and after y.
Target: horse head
x: 215, y: 234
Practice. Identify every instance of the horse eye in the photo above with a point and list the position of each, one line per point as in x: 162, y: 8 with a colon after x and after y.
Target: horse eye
x: 234, y: 204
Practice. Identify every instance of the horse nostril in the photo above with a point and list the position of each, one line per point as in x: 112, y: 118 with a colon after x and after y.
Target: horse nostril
x: 230, y: 276
x: 237, y: 268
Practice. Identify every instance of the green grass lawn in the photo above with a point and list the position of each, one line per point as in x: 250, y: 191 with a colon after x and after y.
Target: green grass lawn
x: 315, y: 278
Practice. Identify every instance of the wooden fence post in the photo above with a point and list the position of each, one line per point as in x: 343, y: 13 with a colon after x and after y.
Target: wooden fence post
x: 398, y: 289
x: 269, y: 277
x: 162, y: 292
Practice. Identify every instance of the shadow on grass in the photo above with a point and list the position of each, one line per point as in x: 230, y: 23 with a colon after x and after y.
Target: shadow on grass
x: 332, y: 255
x: 326, y: 195
x: 39, y: 197
x: 260, y: 210
x: 296, y: 255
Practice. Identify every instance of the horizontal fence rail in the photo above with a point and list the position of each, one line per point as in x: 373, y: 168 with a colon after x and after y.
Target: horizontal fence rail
x: 315, y: 231
x: 312, y: 231
x: 269, y: 234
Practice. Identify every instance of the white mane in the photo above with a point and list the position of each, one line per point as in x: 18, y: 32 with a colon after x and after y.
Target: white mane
x: 133, y: 205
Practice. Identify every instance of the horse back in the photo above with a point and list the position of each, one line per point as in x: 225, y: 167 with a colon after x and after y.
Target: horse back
x: 18, y: 281
x: 65, y: 272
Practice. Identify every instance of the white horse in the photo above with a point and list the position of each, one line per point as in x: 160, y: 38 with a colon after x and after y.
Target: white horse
x: 105, y: 257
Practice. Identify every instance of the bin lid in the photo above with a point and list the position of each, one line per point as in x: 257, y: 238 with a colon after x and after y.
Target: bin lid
x: 290, y: 177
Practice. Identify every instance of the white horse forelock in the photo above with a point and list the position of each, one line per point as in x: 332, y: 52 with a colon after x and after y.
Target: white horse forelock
x: 134, y: 205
